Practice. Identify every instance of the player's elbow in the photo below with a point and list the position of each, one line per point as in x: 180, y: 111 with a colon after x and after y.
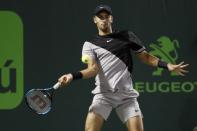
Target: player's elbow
x: 95, y: 69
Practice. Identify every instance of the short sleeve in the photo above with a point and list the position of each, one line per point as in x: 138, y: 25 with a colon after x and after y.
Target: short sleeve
x: 135, y: 43
x: 87, y: 50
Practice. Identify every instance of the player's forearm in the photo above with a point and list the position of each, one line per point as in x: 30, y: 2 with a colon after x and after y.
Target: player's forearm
x: 83, y: 74
x: 89, y: 72
x: 149, y: 59
x: 152, y: 60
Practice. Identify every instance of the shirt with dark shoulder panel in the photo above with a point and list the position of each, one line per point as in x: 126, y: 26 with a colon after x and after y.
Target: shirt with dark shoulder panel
x: 113, y: 54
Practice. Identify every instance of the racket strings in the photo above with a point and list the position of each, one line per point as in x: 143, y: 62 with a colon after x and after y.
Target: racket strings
x: 39, y: 101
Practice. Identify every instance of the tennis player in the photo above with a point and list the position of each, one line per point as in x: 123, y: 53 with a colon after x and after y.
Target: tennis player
x: 110, y: 60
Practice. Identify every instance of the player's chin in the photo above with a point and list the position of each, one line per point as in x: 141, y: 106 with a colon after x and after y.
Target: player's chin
x: 104, y: 28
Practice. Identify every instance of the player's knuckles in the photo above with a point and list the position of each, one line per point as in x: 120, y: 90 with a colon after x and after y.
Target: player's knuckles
x: 64, y: 83
x: 64, y: 78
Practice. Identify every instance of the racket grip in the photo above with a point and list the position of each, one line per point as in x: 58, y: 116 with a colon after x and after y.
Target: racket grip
x: 56, y: 86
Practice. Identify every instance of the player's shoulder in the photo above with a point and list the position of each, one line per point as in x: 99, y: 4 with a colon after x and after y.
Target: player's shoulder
x: 94, y: 40
x: 121, y: 31
x: 127, y: 32
x: 123, y: 34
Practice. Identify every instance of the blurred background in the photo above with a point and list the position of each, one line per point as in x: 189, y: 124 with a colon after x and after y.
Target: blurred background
x: 42, y: 40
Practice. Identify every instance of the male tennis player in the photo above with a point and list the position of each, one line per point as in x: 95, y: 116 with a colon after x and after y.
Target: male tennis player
x: 110, y: 60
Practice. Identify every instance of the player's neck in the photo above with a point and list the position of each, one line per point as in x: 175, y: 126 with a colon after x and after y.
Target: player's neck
x: 107, y: 32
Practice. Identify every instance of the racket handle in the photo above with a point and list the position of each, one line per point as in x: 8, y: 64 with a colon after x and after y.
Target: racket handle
x: 56, y: 86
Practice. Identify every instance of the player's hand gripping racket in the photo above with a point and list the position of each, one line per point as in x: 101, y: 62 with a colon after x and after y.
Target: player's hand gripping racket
x: 40, y: 100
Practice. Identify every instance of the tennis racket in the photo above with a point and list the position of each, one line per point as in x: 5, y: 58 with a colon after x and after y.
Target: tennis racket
x: 40, y: 100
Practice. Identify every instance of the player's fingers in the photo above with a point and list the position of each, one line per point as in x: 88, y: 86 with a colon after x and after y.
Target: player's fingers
x: 184, y: 71
x: 61, y: 83
x: 60, y: 80
x: 64, y: 78
x: 183, y: 66
x: 181, y: 63
x: 180, y: 73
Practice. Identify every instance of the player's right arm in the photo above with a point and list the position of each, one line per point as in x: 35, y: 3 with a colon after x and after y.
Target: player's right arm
x: 91, y: 71
x: 88, y: 57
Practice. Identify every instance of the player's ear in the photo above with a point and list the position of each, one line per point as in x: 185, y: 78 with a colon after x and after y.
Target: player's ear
x: 94, y: 19
x: 111, y: 19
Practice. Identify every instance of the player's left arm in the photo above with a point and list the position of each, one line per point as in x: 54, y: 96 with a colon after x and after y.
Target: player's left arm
x: 149, y: 59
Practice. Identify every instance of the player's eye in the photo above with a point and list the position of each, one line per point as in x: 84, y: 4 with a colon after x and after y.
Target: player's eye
x: 102, y: 17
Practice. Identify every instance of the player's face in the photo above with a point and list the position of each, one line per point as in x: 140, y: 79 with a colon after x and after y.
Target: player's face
x: 103, y: 21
